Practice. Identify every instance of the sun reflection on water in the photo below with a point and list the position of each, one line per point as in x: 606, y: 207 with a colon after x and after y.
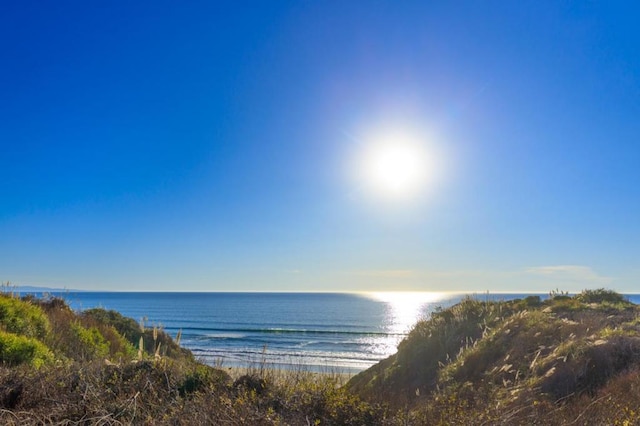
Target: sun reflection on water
x: 403, y: 310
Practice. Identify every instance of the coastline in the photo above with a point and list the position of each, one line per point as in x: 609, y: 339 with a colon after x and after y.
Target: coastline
x: 282, y: 375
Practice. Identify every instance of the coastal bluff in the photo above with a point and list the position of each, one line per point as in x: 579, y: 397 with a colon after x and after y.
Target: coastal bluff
x: 567, y: 359
x: 524, y: 361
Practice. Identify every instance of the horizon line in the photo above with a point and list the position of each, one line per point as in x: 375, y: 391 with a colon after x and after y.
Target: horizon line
x: 454, y: 292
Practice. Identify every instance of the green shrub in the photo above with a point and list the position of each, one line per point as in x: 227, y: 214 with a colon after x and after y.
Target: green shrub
x: 532, y: 301
x: 81, y: 337
x: 22, y: 317
x: 91, y: 343
x: 119, y: 347
x: 201, y: 376
x: 566, y: 304
x: 601, y: 295
x: 132, y: 331
x: 16, y: 350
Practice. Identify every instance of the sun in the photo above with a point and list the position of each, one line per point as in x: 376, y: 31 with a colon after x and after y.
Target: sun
x: 395, y: 166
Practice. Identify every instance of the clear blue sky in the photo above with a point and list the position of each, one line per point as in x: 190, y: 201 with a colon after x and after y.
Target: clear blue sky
x: 209, y: 146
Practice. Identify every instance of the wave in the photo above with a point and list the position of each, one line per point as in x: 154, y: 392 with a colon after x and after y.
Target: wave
x: 346, y: 362
x: 219, y: 335
x: 249, y: 354
x: 278, y: 330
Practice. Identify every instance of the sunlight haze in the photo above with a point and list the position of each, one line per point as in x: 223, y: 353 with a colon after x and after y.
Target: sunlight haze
x: 320, y: 146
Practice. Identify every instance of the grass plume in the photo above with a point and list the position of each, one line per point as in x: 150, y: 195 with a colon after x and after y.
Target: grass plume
x: 566, y: 360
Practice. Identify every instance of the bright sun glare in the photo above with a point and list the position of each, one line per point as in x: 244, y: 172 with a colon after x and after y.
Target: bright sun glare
x: 406, y: 308
x: 395, y: 166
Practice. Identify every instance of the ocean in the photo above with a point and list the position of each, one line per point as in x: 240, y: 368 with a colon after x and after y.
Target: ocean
x: 340, y: 332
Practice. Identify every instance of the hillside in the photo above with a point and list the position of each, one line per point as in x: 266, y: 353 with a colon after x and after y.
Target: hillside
x: 565, y: 360
x: 58, y: 366
x: 516, y: 362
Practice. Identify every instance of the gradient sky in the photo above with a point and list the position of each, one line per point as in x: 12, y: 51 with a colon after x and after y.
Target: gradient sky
x: 209, y: 146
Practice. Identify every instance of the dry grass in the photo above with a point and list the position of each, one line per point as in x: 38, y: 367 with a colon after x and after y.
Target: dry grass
x: 169, y: 392
x: 567, y: 360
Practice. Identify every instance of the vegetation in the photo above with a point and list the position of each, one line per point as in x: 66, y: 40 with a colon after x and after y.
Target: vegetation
x: 97, y: 366
x: 563, y: 360
x: 22, y: 317
x: 15, y: 350
x: 516, y: 362
x: 154, y: 340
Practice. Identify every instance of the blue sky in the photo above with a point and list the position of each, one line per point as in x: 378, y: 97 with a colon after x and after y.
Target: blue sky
x: 211, y: 146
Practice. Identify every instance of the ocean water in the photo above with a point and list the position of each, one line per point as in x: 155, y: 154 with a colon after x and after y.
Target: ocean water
x: 343, y: 332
